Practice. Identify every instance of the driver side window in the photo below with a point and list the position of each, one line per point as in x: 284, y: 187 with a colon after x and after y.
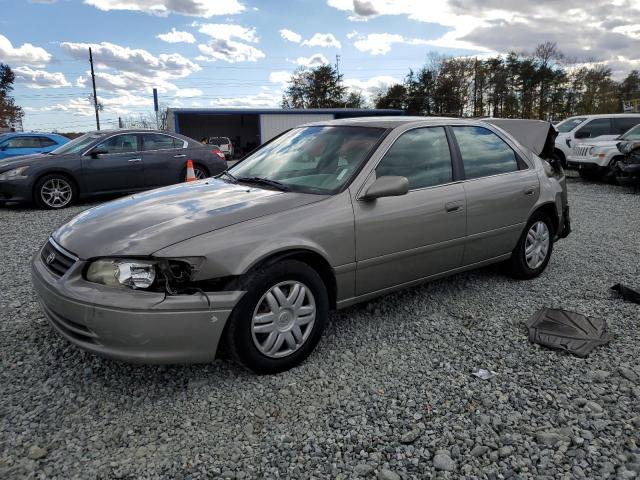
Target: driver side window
x: 422, y: 156
x: 119, y: 144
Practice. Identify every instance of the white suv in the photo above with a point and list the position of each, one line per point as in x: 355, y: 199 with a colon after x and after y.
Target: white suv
x: 589, y: 128
x: 596, y: 160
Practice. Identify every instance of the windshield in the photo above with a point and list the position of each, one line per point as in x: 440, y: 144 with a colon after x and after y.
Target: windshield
x: 78, y: 145
x: 311, y: 159
x: 633, y: 134
x: 569, y: 124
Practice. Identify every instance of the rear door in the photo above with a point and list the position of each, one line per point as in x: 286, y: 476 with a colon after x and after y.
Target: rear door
x: 165, y: 158
x: 406, y: 238
x: 118, y: 166
x: 500, y: 191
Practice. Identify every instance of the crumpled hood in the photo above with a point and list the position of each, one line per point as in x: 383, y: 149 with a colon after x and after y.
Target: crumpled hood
x: 147, y: 222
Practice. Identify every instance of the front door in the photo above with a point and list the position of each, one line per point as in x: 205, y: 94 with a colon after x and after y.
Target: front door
x: 410, y: 237
x: 114, y: 165
x: 500, y: 192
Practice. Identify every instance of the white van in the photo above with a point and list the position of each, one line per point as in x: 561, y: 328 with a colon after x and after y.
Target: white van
x: 592, y: 127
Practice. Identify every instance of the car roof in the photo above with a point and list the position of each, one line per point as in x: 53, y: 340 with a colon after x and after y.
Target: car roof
x: 605, y: 115
x: 393, y: 122
x: 31, y: 134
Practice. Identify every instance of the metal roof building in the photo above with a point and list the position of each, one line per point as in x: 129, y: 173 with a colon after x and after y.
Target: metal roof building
x: 249, y: 127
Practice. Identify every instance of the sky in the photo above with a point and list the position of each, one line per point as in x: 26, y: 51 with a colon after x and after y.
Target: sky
x: 240, y: 53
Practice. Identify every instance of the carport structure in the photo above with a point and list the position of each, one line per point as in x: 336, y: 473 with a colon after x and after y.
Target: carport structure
x: 248, y: 128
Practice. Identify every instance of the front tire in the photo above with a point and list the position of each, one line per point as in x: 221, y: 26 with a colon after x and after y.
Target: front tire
x: 280, y: 319
x: 533, y: 251
x: 55, y: 191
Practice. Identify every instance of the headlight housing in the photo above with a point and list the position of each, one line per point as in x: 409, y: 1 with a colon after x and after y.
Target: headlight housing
x: 591, y: 150
x: 15, y: 173
x: 122, y: 273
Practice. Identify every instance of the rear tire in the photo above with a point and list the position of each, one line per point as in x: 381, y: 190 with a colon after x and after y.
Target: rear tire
x: 55, y: 191
x: 279, y: 321
x: 533, y: 251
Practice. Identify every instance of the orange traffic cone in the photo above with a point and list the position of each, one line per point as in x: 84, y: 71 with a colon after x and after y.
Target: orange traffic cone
x: 191, y: 174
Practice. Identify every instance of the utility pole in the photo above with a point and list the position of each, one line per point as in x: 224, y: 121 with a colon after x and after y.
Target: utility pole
x: 337, y: 65
x: 95, y: 97
x: 119, y: 122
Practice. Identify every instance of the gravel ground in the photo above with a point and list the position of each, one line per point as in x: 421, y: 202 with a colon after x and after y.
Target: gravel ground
x: 388, y: 393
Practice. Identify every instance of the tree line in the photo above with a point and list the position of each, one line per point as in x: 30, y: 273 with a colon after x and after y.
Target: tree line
x: 544, y: 85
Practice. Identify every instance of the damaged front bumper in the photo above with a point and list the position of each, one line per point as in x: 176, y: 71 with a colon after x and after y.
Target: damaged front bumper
x: 628, y: 174
x: 132, y: 325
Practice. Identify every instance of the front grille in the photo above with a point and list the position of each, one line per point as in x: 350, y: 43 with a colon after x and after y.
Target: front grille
x: 56, y: 259
x: 581, y: 151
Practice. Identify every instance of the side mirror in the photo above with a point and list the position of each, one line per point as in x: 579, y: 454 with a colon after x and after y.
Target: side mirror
x: 582, y: 134
x: 97, y: 151
x: 389, y: 186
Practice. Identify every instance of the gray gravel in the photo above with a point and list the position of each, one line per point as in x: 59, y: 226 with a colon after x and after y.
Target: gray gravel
x: 388, y: 394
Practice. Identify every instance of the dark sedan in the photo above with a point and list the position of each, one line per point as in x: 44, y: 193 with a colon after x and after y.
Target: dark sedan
x: 105, y: 162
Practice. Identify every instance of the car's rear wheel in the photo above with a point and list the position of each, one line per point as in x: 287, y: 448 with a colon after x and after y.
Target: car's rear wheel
x: 55, y: 191
x: 199, y: 171
x: 280, y: 319
x: 533, y: 251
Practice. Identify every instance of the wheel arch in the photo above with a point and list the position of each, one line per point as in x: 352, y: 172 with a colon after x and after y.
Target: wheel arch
x: 549, y: 209
x: 312, y: 258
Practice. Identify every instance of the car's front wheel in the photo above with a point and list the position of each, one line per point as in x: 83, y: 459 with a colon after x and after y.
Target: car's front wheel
x: 533, y: 251
x: 55, y: 191
x: 280, y: 319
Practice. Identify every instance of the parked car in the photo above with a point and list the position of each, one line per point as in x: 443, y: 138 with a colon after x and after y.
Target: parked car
x: 627, y: 170
x: 105, y: 162
x: 593, y: 127
x: 225, y: 145
x: 321, y: 217
x: 14, y: 144
x: 598, y: 160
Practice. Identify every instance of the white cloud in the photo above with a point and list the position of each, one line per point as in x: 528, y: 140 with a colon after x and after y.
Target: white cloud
x: 372, y: 85
x: 263, y: 99
x: 121, y: 104
x: 290, y: 35
x: 177, y: 36
x: 25, y: 53
x: 227, y: 31
x: 77, y: 106
x: 224, y: 46
x: 229, y: 51
x: 352, y: 34
x: 194, y: 8
x: 188, y: 93
x: 40, y: 78
x: 323, y: 40
x: 378, y: 43
x: 281, y: 77
x: 312, y: 61
x: 124, y: 68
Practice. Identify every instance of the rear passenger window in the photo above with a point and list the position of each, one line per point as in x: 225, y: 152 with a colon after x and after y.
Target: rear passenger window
x: 422, y: 155
x: 45, y: 142
x: 159, y: 142
x: 626, y: 124
x: 484, y: 153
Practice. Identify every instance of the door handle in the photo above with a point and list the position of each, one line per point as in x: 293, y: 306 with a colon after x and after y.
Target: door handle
x: 530, y: 191
x: 451, y: 207
x: 180, y: 155
x: 135, y: 160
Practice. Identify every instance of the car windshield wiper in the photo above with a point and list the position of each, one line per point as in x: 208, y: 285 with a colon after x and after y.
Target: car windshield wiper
x: 266, y: 181
x: 234, y: 179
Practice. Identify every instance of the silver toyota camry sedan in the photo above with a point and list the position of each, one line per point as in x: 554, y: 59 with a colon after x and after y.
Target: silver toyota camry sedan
x: 324, y: 216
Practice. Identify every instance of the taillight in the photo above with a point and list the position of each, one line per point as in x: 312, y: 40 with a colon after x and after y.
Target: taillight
x: 218, y: 153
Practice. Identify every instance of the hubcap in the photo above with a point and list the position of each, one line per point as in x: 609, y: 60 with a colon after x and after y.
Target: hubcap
x: 200, y: 174
x: 537, y: 245
x: 56, y: 192
x: 283, y: 319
